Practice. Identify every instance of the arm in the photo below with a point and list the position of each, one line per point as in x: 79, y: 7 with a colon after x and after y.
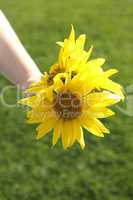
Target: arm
x: 15, y: 62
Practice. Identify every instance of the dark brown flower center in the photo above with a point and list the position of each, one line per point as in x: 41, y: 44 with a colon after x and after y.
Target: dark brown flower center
x: 67, y: 105
x: 53, y: 73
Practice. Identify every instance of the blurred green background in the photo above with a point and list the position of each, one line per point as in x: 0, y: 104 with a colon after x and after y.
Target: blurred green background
x: 32, y: 170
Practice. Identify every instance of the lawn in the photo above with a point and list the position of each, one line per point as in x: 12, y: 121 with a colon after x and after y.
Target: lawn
x: 32, y: 170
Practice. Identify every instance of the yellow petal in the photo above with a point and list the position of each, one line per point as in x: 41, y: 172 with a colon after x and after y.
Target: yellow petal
x: 102, y: 112
x: 58, y: 83
x: 89, y: 53
x: 60, y: 44
x: 72, y: 35
x: 74, y: 127
x: 65, y: 133
x: 40, y: 115
x: 57, y: 132
x: 35, y: 117
x: 96, y: 62
x: 108, y: 84
x: 30, y: 101
x: 101, y: 99
x: 97, y: 112
x: 70, y: 132
x: 94, y: 126
x: 35, y: 89
x: 80, y: 137
x: 44, y: 128
x: 110, y: 72
x: 80, y: 41
x: 49, y: 93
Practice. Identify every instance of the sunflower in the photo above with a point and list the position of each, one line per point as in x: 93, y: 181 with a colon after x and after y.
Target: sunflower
x: 74, y: 59
x: 74, y: 94
x: 71, y: 105
x: 72, y: 53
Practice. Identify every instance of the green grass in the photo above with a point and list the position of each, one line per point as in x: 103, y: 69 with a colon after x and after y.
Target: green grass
x: 32, y: 170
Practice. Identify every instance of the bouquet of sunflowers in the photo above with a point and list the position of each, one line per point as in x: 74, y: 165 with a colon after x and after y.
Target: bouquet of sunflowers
x: 74, y: 94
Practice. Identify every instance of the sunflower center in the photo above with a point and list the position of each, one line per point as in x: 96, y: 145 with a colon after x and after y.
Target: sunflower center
x: 53, y: 73
x: 67, y: 105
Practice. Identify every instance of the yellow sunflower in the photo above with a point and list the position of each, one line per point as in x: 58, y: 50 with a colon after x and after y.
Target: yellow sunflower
x: 71, y: 55
x: 72, y: 105
x: 74, y: 59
